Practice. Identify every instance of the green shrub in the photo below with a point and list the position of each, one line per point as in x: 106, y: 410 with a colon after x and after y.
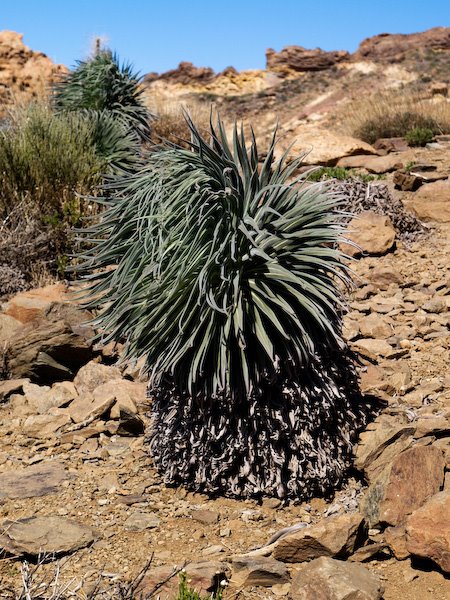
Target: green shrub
x: 44, y: 160
x: 340, y: 173
x: 396, y: 125
x: 227, y: 277
x: 419, y: 136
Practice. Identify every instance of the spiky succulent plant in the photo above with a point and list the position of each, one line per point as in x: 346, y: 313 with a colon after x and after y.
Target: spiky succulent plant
x: 226, y: 274
x: 102, y: 83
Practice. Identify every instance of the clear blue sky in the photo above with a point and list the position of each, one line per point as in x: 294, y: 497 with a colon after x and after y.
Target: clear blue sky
x: 155, y: 35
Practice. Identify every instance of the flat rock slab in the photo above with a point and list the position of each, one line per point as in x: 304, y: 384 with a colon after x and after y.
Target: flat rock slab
x: 374, y: 164
x: 44, y: 535
x: 328, y: 579
x: 260, y: 571
x: 37, y: 480
x: 139, y: 521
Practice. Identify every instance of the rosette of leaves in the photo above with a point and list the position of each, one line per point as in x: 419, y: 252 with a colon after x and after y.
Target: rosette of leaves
x: 226, y: 274
x: 102, y: 83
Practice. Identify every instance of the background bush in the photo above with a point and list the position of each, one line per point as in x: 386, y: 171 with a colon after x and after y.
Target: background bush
x: 394, y: 114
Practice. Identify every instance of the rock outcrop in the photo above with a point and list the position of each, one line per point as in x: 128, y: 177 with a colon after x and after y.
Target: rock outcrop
x: 393, y: 47
x: 23, y: 71
x: 298, y: 59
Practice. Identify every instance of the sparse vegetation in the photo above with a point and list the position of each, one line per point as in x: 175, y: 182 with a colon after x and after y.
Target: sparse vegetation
x: 45, y: 161
x: 170, y: 126
x: 341, y: 173
x: 419, y: 136
x: 394, y: 114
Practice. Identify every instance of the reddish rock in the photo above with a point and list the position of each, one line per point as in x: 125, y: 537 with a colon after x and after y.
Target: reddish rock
x: 28, y: 306
x: 432, y: 202
x: 23, y: 71
x: 52, y: 347
x: 396, y: 144
x: 203, y: 577
x: 413, y: 476
x: 380, y: 443
x: 372, y: 233
x: 297, y: 58
x: 333, y: 536
x: 428, y: 531
x: 186, y: 73
x: 395, y: 538
x: 406, y: 182
x: 394, y: 47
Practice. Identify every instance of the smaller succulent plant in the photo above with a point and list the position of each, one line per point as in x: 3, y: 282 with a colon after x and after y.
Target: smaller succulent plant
x: 102, y: 83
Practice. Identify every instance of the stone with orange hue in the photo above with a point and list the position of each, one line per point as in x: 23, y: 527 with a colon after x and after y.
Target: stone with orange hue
x: 373, y: 234
x: 428, y: 531
x: 333, y: 536
x: 413, y: 476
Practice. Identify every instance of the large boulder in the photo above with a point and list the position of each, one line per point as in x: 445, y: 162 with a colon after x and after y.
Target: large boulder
x: 320, y: 146
x: 428, y: 531
x: 52, y: 347
x: 413, y: 476
x: 334, y: 536
x: 372, y: 234
x: 328, y: 579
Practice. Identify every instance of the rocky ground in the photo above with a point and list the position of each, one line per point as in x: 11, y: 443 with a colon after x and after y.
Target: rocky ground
x: 76, y: 478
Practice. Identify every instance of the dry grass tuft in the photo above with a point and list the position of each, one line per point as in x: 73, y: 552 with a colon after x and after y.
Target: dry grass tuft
x: 394, y: 113
x: 42, y: 581
x: 170, y: 124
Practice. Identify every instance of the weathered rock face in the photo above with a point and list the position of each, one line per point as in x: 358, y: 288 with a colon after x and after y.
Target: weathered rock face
x: 383, y: 439
x: 23, y: 71
x: 297, y: 58
x: 393, y: 47
x: 414, y: 476
x: 51, y: 348
x: 186, y: 73
x: 428, y: 531
x: 328, y: 579
x: 335, y: 536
